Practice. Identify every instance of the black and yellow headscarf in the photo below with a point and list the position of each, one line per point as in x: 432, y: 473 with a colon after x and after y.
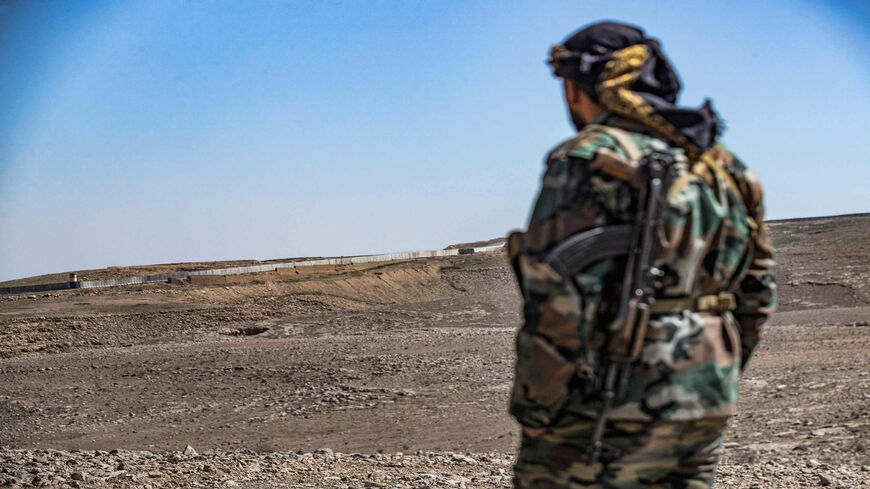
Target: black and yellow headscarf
x: 628, y: 73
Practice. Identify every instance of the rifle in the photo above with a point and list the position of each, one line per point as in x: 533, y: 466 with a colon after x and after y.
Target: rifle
x: 639, y: 243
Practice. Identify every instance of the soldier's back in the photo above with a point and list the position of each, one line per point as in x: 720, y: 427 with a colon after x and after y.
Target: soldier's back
x: 684, y: 387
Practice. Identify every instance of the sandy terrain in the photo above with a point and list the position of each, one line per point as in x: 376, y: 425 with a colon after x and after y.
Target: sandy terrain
x: 391, y: 376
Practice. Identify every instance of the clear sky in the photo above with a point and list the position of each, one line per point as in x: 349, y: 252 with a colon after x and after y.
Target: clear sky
x: 156, y: 131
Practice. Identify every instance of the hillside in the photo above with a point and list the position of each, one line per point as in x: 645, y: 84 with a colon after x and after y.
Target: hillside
x: 823, y: 262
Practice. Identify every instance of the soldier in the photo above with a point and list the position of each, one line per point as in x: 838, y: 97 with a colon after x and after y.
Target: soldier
x: 714, y: 285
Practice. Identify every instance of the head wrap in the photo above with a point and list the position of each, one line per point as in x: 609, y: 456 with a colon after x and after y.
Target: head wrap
x: 627, y: 73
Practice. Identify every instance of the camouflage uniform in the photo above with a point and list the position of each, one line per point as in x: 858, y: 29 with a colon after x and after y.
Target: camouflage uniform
x: 669, y: 427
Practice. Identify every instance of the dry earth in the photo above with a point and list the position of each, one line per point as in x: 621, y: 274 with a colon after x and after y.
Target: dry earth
x: 391, y: 376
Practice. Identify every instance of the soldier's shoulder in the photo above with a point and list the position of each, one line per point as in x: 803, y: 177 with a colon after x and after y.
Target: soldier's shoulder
x: 582, y: 146
x: 744, y: 177
x: 589, y: 142
x: 728, y: 160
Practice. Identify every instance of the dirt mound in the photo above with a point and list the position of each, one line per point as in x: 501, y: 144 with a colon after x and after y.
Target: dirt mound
x: 477, y: 244
x: 823, y: 262
x: 70, y: 319
x: 140, y: 270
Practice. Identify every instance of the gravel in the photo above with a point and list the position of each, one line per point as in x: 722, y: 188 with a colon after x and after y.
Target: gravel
x: 327, y: 469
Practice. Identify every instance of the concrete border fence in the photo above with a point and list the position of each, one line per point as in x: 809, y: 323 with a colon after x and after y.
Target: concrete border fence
x: 268, y: 267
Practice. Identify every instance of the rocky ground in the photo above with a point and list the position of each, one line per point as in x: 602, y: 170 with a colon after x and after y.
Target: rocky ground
x: 327, y: 469
x: 390, y: 376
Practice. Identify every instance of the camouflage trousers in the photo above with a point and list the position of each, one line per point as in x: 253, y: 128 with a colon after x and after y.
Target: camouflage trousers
x: 655, y: 454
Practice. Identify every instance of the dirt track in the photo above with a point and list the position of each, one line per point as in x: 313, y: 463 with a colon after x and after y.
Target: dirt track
x: 403, y: 357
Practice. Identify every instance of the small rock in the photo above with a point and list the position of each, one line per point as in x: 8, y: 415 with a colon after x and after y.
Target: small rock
x: 231, y: 483
x: 155, y: 474
x: 824, y: 480
x: 190, y: 451
x: 731, y: 444
x: 77, y: 476
x: 813, y: 463
x: 464, y: 459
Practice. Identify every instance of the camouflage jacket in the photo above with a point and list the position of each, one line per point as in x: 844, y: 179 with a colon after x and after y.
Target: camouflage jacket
x: 713, y: 240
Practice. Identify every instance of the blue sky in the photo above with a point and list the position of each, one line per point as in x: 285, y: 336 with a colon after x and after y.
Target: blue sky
x: 157, y: 131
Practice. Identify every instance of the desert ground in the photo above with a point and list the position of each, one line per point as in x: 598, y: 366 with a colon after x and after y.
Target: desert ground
x: 388, y: 375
